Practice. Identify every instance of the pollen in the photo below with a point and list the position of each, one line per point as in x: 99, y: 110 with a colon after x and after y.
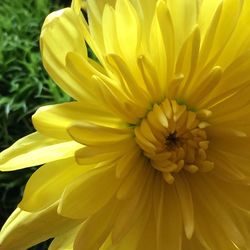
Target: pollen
x: 174, y: 139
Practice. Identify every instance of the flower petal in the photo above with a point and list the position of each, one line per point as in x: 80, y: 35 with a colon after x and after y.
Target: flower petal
x: 186, y: 204
x: 96, y: 229
x: 46, y: 185
x: 53, y: 120
x: 194, y: 243
x: 76, y: 5
x: 110, y: 32
x: 24, y: 229
x: 127, y: 19
x: 99, y: 153
x: 236, y: 197
x: 230, y: 141
x: 219, y: 32
x: 63, y: 25
x: 231, y: 97
x: 184, y: 16
x: 127, y: 161
x: 95, y: 188
x: 135, y: 238
x: 215, y: 216
x: 240, y: 39
x: 95, y: 12
x: 35, y: 149
x: 223, y: 94
x: 132, y: 181
x: 168, y: 217
x: 230, y: 167
x: 132, y: 208
x: 187, y: 61
x: 65, y: 241
x: 162, y: 35
x: 148, y: 239
x: 83, y: 69
x: 93, y: 135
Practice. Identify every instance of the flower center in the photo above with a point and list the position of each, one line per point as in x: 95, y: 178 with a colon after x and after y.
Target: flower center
x: 174, y: 138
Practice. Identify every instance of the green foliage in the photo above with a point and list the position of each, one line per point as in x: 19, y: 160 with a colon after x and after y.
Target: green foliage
x: 24, y: 86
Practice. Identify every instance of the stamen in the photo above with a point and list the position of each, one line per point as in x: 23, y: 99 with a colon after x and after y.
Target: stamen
x: 174, y: 138
x: 191, y: 168
x: 172, y: 141
x: 168, y: 178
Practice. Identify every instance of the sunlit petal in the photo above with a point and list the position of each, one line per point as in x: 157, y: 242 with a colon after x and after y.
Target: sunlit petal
x: 153, y: 154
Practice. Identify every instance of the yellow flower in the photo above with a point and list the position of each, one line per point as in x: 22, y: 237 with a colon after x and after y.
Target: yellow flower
x: 153, y: 154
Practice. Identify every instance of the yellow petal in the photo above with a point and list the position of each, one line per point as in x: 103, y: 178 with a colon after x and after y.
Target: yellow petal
x: 95, y: 188
x: 130, y: 79
x: 233, y: 109
x: 127, y: 161
x: 53, y: 120
x: 150, y: 78
x: 209, y: 19
x: 76, y: 5
x: 24, y: 229
x: 62, y: 32
x: 35, y: 149
x: 187, y: 60
x: 207, y: 11
x: 135, y: 180
x: 230, y: 141
x: 148, y: 240
x: 194, y: 244
x: 186, y: 204
x: 167, y: 212
x: 66, y: 240
x: 95, y: 12
x: 46, y: 185
x: 131, y: 210
x: 110, y: 32
x: 132, y: 238
x: 221, y: 187
x: 93, y: 135
x: 216, y: 216
x: 236, y: 74
x: 230, y: 167
x: 83, y: 69
x: 119, y: 103
x: 127, y: 20
x: 97, y: 154
x: 220, y: 32
x: 198, y: 89
x: 165, y: 23
x: 239, y: 41
x: 184, y: 16
x: 96, y: 8
x: 104, y: 89
x: 158, y: 53
x: 96, y: 229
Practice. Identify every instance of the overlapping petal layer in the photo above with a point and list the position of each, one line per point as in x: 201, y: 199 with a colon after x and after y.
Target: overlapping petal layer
x: 20, y: 230
x: 154, y: 151
x: 36, y: 149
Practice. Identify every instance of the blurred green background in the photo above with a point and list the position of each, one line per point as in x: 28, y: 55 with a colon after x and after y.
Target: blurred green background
x: 24, y: 86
